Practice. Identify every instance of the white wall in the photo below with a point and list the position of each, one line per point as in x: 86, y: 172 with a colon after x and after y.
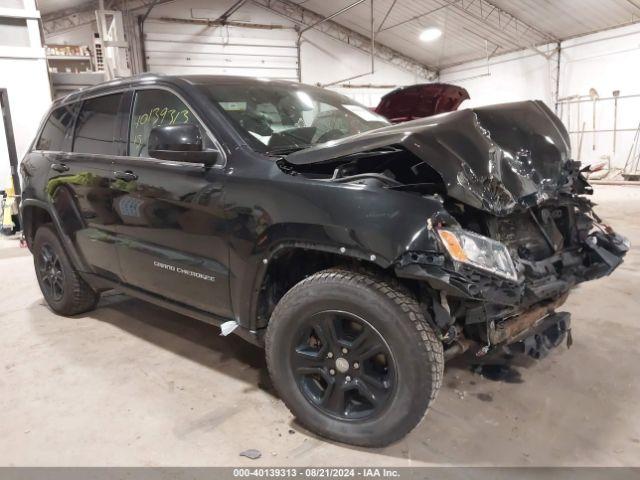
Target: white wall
x: 28, y: 88
x: 23, y: 72
x: 606, y: 61
x: 323, y: 59
x: 506, y: 78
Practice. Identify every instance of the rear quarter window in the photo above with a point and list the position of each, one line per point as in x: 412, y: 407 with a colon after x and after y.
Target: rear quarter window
x: 56, y: 132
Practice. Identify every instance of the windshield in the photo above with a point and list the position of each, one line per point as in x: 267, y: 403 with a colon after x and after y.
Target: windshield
x: 285, y: 118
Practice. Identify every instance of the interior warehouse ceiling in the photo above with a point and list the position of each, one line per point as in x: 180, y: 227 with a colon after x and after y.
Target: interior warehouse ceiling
x: 472, y: 29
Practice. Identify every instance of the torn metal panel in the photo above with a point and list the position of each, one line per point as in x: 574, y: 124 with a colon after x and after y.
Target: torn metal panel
x: 505, y: 174
x: 497, y: 158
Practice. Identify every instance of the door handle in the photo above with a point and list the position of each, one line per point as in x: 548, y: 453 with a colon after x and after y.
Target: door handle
x: 59, y: 167
x: 127, y: 176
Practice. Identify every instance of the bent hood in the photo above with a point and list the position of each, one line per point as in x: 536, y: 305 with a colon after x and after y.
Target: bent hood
x: 494, y: 158
x: 419, y: 101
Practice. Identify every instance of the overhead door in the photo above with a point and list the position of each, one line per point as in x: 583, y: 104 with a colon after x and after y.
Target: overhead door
x: 172, y: 52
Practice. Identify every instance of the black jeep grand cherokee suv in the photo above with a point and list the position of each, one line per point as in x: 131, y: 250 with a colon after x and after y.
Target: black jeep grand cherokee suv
x: 360, y: 254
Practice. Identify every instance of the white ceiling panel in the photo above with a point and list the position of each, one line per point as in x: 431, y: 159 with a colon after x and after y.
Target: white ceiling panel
x: 473, y: 29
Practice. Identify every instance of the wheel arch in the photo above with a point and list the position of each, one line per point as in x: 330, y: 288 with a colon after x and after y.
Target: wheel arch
x: 35, y: 213
x: 289, y: 263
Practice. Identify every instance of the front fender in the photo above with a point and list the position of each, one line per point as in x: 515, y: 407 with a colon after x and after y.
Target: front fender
x: 361, y: 223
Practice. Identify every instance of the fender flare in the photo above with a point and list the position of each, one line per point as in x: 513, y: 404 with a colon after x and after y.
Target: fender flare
x: 67, y: 244
x: 263, y: 262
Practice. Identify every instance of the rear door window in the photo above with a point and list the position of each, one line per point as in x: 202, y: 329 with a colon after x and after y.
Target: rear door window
x: 57, y: 129
x: 97, y: 126
x: 154, y: 108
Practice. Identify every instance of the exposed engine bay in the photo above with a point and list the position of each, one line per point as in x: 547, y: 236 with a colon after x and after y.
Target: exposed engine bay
x: 516, y: 230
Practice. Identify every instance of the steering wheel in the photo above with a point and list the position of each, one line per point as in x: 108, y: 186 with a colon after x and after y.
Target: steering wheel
x: 254, y: 122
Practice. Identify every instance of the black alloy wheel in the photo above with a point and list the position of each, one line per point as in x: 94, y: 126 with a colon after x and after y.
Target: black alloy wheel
x: 62, y: 287
x: 353, y: 356
x: 51, y: 272
x: 343, y: 366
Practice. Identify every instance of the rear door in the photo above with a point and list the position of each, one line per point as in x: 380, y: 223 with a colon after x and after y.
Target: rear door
x: 80, y: 182
x: 172, y: 235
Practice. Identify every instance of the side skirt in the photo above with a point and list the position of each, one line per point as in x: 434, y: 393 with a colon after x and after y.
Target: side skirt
x: 253, y: 337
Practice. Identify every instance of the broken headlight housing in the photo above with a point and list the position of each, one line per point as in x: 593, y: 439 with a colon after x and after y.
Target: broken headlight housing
x: 479, y: 251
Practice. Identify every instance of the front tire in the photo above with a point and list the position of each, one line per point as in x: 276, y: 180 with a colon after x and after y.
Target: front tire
x: 353, y: 357
x: 62, y: 288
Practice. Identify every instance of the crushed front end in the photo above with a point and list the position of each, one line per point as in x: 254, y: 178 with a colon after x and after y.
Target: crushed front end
x: 501, y: 278
x: 515, y: 231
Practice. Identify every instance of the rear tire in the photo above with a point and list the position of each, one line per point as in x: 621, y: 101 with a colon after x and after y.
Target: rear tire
x: 63, y: 289
x: 353, y: 357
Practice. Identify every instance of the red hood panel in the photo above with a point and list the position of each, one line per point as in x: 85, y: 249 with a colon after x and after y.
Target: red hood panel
x: 419, y: 101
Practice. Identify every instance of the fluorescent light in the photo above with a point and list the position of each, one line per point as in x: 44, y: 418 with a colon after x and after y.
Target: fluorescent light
x: 430, y: 34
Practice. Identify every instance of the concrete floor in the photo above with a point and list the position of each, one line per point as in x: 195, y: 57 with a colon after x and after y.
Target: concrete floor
x: 132, y: 384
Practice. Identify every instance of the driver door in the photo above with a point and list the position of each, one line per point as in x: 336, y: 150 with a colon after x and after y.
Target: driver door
x: 172, y: 235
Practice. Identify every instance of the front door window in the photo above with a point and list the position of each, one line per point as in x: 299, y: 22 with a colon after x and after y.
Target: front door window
x: 153, y: 108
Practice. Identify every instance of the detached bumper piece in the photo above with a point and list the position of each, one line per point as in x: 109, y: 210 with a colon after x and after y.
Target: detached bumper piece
x: 550, y: 333
x: 610, y: 247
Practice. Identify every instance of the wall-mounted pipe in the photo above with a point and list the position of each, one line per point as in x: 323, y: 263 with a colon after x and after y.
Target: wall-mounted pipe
x: 373, y: 38
x: 557, y: 82
x: 299, y: 51
x: 346, y: 79
x: 370, y: 85
x: 141, y: 19
x: 587, y: 98
x: 373, y: 49
x: 226, y: 23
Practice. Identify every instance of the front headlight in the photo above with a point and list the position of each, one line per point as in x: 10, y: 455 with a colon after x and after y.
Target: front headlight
x: 478, y: 251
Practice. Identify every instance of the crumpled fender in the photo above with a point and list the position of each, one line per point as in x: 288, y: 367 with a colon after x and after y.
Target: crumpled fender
x: 368, y: 224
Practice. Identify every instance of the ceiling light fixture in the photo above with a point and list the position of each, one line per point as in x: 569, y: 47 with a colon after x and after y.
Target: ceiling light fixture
x: 430, y: 34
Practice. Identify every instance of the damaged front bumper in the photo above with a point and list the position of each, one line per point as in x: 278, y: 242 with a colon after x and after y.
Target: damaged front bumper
x: 491, y: 310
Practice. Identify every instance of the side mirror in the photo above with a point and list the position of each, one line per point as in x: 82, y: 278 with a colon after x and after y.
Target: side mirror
x: 180, y: 143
